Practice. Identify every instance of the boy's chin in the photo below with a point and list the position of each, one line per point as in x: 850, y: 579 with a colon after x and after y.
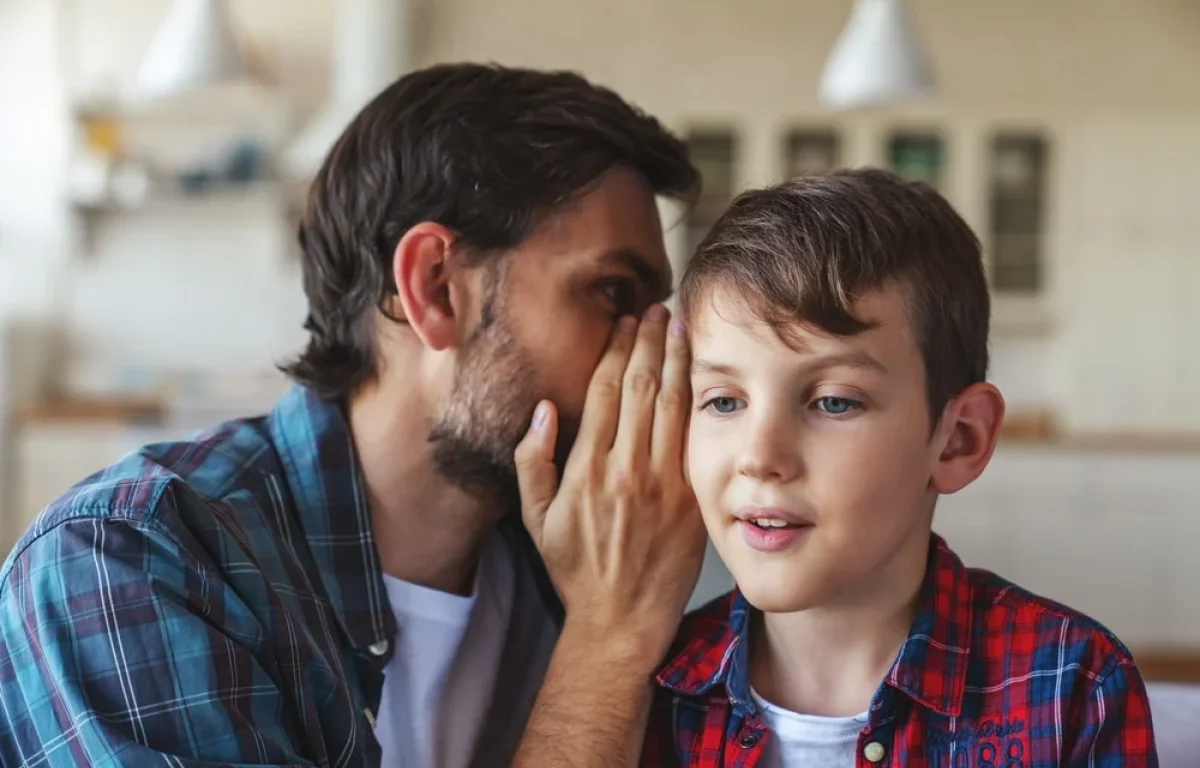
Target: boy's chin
x: 771, y: 596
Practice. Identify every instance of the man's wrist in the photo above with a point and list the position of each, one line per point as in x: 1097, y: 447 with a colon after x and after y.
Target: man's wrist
x: 634, y: 651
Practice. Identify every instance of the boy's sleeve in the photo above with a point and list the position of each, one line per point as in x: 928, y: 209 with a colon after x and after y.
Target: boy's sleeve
x: 116, y: 650
x: 1116, y: 730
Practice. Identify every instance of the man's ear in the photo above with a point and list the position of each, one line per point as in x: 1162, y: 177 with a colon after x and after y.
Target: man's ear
x: 966, y: 437
x: 422, y: 269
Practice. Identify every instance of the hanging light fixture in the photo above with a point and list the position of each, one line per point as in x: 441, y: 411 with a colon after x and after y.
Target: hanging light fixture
x: 194, y: 47
x: 372, y: 48
x: 877, y: 60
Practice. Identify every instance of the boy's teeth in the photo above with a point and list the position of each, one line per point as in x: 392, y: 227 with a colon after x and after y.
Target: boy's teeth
x: 764, y: 522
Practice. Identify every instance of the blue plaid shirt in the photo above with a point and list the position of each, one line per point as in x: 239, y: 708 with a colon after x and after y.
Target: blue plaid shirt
x: 213, y: 602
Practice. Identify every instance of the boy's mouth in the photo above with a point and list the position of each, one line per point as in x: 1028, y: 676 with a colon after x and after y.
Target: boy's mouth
x: 767, y: 523
x: 771, y: 529
x: 770, y: 518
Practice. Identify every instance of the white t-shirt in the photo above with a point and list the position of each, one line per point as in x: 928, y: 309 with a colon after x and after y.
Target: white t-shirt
x: 465, y: 669
x: 809, y: 741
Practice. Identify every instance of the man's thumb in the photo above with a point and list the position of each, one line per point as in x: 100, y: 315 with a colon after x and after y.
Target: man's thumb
x: 536, y: 473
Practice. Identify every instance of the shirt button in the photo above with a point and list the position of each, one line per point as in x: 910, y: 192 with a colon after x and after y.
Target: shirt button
x: 748, y: 739
x: 378, y: 649
x: 874, y: 752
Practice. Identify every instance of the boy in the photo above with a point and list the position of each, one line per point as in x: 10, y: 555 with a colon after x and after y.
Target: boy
x: 839, y: 330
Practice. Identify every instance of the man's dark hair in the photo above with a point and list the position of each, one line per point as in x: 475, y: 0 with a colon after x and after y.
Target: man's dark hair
x: 801, y: 252
x: 485, y: 151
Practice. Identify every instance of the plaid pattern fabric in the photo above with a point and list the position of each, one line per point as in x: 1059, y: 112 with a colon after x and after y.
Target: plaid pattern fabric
x: 990, y: 676
x: 213, y: 602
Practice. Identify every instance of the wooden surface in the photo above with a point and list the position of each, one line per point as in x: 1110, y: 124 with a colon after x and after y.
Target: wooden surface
x: 116, y: 410
x: 1038, y: 428
x: 1169, y: 666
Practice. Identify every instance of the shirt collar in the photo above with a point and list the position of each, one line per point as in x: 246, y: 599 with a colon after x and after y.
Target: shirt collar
x: 322, y: 473
x: 931, y: 666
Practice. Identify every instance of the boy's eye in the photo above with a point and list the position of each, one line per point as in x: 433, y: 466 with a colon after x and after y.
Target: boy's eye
x: 836, y: 406
x: 723, y: 405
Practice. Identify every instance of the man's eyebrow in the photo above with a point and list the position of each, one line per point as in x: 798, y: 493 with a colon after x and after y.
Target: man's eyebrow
x: 658, y: 282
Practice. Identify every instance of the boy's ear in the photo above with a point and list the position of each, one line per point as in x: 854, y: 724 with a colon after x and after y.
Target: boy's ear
x: 429, y: 296
x: 966, y: 437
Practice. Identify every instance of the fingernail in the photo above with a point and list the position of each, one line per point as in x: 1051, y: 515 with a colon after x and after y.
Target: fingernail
x: 628, y: 324
x: 539, y: 416
x: 676, y: 327
x: 657, y: 313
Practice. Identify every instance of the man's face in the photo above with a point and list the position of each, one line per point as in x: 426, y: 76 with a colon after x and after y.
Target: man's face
x: 546, y: 316
x: 833, y: 439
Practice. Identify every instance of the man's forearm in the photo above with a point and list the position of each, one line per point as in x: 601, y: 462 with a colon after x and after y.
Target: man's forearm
x: 592, y: 708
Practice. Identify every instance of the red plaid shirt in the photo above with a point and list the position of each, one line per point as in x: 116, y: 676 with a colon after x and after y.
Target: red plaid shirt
x: 990, y: 676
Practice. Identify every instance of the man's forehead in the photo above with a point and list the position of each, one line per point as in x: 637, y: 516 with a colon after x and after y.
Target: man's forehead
x: 614, y: 222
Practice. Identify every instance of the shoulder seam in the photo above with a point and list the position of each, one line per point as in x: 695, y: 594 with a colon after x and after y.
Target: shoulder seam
x: 75, y: 514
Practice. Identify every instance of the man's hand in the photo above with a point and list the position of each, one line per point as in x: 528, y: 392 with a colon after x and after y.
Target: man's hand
x: 623, y: 542
x: 622, y: 537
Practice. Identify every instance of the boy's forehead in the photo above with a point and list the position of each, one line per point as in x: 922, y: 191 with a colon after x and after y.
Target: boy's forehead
x: 728, y: 321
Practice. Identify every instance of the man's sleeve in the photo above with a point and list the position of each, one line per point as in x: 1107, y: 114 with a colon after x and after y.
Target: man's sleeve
x: 119, y: 649
x: 1116, y: 729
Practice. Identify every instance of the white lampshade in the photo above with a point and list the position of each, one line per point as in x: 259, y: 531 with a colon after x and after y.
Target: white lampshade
x: 194, y: 47
x: 372, y: 47
x: 877, y: 60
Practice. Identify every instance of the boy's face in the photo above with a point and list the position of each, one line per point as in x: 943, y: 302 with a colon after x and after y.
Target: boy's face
x: 834, y: 440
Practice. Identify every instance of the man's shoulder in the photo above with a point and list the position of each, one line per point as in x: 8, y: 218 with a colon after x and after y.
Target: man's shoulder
x: 151, y: 484
x: 1038, y: 633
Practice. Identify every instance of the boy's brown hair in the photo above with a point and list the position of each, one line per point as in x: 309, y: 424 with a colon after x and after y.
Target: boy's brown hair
x: 799, y: 253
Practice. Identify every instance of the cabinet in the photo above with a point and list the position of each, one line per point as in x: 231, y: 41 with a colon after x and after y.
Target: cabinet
x: 1107, y: 533
x: 51, y: 457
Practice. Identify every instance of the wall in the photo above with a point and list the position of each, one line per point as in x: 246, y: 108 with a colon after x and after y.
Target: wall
x: 1111, y: 82
x: 33, y: 144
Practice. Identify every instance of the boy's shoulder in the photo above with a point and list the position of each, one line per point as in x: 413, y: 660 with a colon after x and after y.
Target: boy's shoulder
x: 1036, y: 628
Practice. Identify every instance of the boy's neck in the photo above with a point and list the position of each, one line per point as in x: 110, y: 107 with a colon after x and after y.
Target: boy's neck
x: 830, y: 660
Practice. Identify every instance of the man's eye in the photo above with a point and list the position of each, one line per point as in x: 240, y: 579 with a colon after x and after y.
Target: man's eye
x: 623, y: 296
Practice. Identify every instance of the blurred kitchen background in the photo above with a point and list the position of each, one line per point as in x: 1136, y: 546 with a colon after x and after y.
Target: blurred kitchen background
x: 148, y: 267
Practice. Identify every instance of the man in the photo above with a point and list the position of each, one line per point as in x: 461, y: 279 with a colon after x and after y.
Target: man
x: 345, y: 582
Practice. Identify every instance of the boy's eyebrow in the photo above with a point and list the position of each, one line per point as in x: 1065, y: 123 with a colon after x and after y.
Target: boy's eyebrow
x: 704, y: 366
x: 836, y: 360
x: 848, y: 360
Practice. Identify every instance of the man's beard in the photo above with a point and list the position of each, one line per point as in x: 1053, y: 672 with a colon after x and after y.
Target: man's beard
x: 488, y: 413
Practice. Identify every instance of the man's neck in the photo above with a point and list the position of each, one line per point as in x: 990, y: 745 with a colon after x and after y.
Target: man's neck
x: 830, y: 660
x: 427, y: 531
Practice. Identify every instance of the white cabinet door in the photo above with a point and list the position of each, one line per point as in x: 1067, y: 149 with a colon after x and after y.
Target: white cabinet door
x: 50, y: 458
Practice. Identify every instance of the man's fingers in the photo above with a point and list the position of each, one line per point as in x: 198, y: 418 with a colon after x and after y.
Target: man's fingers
x: 536, y: 473
x: 673, y: 405
x: 598, y: 425
x: 640, y: 387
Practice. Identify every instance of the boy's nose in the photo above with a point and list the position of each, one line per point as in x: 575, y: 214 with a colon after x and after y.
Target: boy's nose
x: 769, y: 453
